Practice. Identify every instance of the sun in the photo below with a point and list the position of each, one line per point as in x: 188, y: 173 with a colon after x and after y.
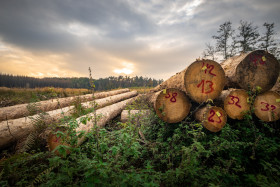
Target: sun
x: 127, y: 69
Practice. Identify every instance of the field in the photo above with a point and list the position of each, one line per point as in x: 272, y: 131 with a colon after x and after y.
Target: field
x: 146, y: 151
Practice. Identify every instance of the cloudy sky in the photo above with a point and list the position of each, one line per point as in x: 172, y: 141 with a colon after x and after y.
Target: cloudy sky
x: 152, y: 38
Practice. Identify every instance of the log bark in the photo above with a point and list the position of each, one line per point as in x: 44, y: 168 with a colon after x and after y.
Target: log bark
x: 104, y: 114
x: 202, y: 80
x: 171, y: 105
x: 134, y: 115
x: 267, y: 106
x: 17, y: 111
x: 212, y: 118
x: 13, y: 130
x: 235, y: 102
x: 252, y: 70
x: 276, y: 87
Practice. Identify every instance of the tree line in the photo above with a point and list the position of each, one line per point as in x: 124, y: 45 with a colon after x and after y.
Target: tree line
x: 229, y: 42
x: 11, y: 81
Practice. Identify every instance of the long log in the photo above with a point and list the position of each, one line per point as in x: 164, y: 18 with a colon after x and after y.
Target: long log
x: 13, y: 130
x: 202, y: 80
x: 276, y: 87
x: 267, y: 106
x: 171, y: 105
x: 134, y: 115
x: 18, y: 111
x: 235, y: 102
x: 212, y: 118
x: 104, y: 115
x: 252, y: 70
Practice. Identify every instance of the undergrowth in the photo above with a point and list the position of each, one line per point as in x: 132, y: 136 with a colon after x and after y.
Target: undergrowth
x: 154, y: 153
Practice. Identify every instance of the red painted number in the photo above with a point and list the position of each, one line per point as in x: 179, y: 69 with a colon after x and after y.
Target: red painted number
x: 210, y: 67
x: 210, y: 84
x: 56, y: 139
x: 233, y: 101
x: 273, y: 107
x: 173, y: 98
x: 210, y: 118
x: 257, y: 59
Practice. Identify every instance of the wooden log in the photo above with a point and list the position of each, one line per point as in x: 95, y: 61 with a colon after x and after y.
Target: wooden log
x: 17, y: 111
x: 171, y: 105
x: 235, y: 103
x: 13, y: 130
x: 276, y: 87
x: 134, y: 115
x: 267, y: 106
x: 212, y: 118
x: 202, y: 80
x: 104, y: 114
x: 252, y: 70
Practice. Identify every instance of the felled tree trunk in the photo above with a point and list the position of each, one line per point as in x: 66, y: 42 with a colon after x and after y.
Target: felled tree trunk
x: 267, y: 106
x: 171, y: 105
x: 212, y: 118
x: 252, y: 70
x: 235, y: 102
x: 202, y: 80
x: 276, y: 87
x: 17, y: 111
x: 13, y: 130
x: 104, y: 115
x: 134, y: 115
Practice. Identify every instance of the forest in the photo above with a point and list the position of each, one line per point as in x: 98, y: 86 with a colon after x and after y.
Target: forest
x: 11, y: 81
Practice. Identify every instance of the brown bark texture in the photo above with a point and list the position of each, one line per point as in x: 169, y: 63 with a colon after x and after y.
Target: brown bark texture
x: 18, y: 111
x: 171, y: 105
x: 251, y: 71
x: 212, y: 118
x: 101, y: 117
x: 267, y: 106
x: 202, y: 80
x: 13, y: 130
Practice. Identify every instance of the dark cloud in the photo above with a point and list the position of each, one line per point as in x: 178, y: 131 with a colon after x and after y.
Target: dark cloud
x: 159, y: 37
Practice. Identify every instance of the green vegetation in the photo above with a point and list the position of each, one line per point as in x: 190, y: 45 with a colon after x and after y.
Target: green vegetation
x: 13, y: 96
x: 243, y: 153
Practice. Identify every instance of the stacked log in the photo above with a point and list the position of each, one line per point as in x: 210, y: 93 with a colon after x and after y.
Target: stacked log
x: 212, y: 118
x: 250, y: 71
x: 13, y: 130
x: 236, y: 103
x: 171, y: 105
x: 202, y: 80
x: 18, y: 111
x: 267, y: 106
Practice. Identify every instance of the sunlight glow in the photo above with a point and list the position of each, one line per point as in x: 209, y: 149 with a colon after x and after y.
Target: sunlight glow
x: 127, y: 69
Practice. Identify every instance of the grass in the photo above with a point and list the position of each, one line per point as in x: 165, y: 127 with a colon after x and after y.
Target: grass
x: 13, y: 96
x: 243, y: 153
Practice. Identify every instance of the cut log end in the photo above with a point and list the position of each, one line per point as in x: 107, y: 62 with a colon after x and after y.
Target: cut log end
x: 172, y: 105
x: 251, y: 71
x: 236, y: 104
x: 267, y: 106
x: 212, y: 118
x: 204, y: 79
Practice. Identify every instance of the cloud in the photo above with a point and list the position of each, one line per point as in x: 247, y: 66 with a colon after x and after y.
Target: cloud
x: 159, y: 37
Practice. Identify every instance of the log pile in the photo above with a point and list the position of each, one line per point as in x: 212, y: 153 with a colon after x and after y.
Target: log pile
x: 16, y: 129
x: 204, y: 80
